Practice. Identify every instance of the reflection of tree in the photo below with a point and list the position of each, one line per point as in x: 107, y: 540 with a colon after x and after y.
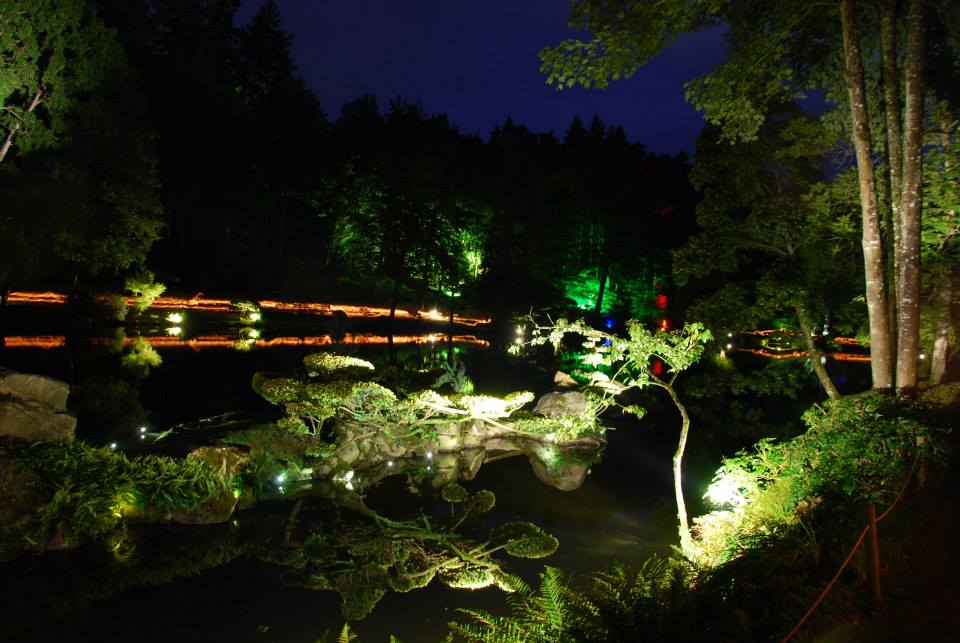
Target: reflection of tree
x: 364, y: 559
x: 132, y: 558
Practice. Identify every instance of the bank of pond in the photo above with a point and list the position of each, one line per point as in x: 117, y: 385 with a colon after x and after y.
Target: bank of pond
x: 371, y: 483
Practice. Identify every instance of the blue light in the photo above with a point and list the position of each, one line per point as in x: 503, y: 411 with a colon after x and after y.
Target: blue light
x: 609, y: 323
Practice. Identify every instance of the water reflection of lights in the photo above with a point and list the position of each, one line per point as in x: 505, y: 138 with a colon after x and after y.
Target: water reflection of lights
x: 227, y: 341
x: 199, y: 302
x: 838, y: 357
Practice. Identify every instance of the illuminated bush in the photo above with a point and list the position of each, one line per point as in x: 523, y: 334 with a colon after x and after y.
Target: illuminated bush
x: 279, y: 389
x: 481, y: 502
x: 855, y: 448
x: 524, y: 540
x: 468, y: 577
x: 330, y: 365
x: 454, y: 493
x: 83, y: 492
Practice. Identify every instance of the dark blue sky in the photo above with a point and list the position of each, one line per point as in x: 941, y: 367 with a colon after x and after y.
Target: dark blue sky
x: 477, y: 62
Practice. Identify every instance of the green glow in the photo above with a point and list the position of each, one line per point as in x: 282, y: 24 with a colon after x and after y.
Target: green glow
x: 583, y: 289
x: 474, y: 261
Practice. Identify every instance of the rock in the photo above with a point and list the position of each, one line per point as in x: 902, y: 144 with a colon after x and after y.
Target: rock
x: 34, y: 408
x: 566, y: 476
x: 563, y: 380
x: 349, y: 452
x: 470, y: 461
x: 35, y: 422
x: 227, y: 461
x: 39, y: 388
x: 561, y: 404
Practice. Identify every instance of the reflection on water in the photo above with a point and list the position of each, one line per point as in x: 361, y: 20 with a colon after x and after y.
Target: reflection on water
x: 213, y: 305
x: 296, y: 564
x: 323, y: 537
x: 244, y: 340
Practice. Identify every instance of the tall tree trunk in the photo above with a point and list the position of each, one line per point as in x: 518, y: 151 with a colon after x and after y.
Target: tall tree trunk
x: 806, y: 328
x: 604, y: 272
x: 943, y: 323
x: 908, y: 252
x: 893, y: 113
x: 8, y: 141
x: 944, y: 287
x: 881, y: 362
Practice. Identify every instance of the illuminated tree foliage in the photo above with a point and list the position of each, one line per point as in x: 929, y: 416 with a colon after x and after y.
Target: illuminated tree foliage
x: 774, y: 233
x: 80, y: 176
x: 394, y: 211
x: 629, y: 362
x: 776, y: 52
x: 364, y: 559
x: 52, y: 52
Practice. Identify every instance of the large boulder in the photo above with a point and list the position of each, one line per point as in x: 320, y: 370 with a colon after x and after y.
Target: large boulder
x: 561, y: 404
x: 39, y: 388
x: 34, y: 408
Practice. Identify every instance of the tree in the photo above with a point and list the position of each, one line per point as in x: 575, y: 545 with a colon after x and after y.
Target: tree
x: 630, y: 363
x: 780, y: 249
x: 777, y: 51
x: 82, y: 182
x: 396, y: 211
x: 52, y: 52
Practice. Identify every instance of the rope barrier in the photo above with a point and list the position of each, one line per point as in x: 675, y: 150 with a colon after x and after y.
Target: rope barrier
x: 863, y: 534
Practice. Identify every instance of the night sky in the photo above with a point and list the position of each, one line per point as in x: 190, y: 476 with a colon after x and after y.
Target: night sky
x: 477, y: 62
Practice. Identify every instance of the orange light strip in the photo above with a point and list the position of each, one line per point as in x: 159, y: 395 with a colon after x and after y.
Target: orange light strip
x: 226, y: 341
x: 849, y: 357
x: 840, y: 357
x: 772, y: 355
x: 40, y: 341
x: 764, y: 333
x: 199, y: 302
x: 19, y: 297
x: 847, y: 341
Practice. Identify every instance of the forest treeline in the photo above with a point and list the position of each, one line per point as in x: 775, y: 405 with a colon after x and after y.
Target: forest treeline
x: 159, y: 136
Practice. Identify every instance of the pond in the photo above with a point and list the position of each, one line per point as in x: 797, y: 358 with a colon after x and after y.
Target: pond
x: 249, y: 579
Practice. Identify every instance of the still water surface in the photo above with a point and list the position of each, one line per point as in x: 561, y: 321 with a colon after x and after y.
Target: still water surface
x: 206, y: 583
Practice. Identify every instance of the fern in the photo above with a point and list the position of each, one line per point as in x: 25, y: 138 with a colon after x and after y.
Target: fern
x: 540, y: 617
x: 346, y: 636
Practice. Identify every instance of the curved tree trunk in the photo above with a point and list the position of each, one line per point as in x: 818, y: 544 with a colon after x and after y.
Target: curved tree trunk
x: 686, y: 540
x: 881, y: 362
x: 11, y: 134
x: 806, y: 329
x: 908, y: 251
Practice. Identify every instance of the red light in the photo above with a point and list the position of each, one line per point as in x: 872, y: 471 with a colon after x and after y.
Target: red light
x: 657, y: 367
x: 661, y: 302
